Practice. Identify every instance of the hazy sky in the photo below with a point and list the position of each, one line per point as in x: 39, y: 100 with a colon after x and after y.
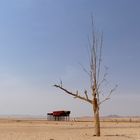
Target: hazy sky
x: 43, y: 41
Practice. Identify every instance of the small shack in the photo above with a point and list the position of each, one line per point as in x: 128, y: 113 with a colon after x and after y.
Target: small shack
x: 58, y: 116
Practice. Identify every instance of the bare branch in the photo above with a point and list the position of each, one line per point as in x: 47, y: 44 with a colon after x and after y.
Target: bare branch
x: 100, y: 56
x: 84, y: 69
x: 102, y: 81
x: 108, y: 97
x: 75, y: 95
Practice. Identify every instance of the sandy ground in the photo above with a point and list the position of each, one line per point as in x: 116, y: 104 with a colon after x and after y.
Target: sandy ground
x: 51, y: 130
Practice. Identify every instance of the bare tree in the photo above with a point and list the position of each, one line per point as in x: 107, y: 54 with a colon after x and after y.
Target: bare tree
x: 96, y: 79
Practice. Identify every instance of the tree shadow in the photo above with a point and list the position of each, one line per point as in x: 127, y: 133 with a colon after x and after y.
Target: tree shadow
x: 120, y: 135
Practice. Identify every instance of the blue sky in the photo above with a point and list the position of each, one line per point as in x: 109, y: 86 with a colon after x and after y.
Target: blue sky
x: 43, y: 41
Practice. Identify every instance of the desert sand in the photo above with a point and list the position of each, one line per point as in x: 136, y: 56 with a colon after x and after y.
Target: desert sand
x: 20, y: 129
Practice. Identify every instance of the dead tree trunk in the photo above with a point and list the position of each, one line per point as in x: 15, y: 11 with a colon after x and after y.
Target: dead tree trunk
x: 96, y: 117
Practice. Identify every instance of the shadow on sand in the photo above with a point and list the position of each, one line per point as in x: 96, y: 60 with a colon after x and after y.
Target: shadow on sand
x: 122, y: 135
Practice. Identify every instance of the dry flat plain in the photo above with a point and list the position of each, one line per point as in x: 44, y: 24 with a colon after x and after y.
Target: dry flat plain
x: 113, y: 129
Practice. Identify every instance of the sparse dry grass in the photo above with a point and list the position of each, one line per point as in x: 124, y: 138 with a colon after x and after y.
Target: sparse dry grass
x: 50, y: 130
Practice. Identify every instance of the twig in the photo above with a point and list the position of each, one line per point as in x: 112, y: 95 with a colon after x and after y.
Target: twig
x: 108, y: 97
x: 86, y: 94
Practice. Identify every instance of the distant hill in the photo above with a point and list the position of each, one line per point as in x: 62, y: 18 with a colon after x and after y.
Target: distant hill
x: 113, y: 116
